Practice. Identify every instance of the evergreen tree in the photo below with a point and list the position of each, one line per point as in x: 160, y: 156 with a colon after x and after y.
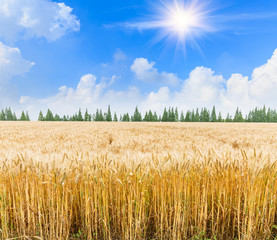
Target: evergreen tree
x: 80, y: 116
x: 49, y: 116
x: 126, y: 118
x: 14, y: 117
x: 2, y: 116
x: 165, y: 116
x: 86, y: 116
x: 57, y: 118
x: 188, y: 117
x: 171, y: 115
x: 96, y: 117
x: 182, y: 117
x: 228, y: 118
x: 40, y: 116
x: 155, y: 117
x: 23, y: 116
x: 176, y: 115
x: 27, y: 116
x: 9, y: 114
x: 137, y: 116
x: 109, y: 115
x: 238, y: 116
x: 115, y: 117
x: 150, y: 116
x: 213, y: 115
x: 193, y: 116
x: 204, y: 115
x: 146, y: 117
x: 219, y: 119
x: 101, y: 117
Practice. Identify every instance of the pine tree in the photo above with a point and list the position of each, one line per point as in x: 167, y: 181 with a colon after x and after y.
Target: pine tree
x: 193, y: 116
x: 182, y: 117
x: 109, y: 115
x: 228, y: 118
x: 115, y: 117
x: 146, y: 117
x: 80, y: 116
x: 101, y: 116
x: 40, y: 116
x: 171, y: 115
x: 165, y: 116
x: 219, y: 119
x: 2, y: 116
x: 155, y: 117
x: 23, y: 116
x: 137, y: 116
x: 14, y: 117
x: 188, y: 117
x: 213, y: 115
x: 126, y: 118
x: 9, y: 114
x: 49, y: 116
x: 176, y: 115
x: 86, y: 116
x: 238, y: 116
x: 27, y: 116
x: 57, y: 118
x: 150, y: 116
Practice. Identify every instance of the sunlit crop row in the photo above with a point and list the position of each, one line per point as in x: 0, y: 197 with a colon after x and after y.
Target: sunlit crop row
x: 137, y: 181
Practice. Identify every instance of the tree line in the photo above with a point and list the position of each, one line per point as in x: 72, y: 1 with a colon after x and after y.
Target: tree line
x: 169, y: 115
x: 7, y: 115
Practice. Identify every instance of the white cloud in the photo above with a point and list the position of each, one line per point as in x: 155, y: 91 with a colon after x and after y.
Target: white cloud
x: 36, y: 18
x: 11, y: 64
x: 145, y: 71
x: 88, y: 94
x: 203, y: 88
x: 119, y: 55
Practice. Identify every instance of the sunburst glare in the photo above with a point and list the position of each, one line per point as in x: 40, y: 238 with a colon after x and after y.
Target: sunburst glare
x: 182, y: 22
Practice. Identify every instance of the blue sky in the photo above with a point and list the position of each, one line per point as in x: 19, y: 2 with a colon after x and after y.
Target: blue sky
x: 93, y: 46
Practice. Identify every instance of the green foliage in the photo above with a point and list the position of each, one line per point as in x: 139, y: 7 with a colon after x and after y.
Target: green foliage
x: 126, y: 118
x: 137, y: 116
x: 115, y: 118
x: 213, y: 115
x: 171, y: 115
x: 109, y: 115
x: 40, y: 116
x: 238, y: 116
x: 165, y: 116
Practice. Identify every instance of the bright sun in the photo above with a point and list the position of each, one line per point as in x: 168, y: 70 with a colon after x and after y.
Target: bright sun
x: 180, y: 21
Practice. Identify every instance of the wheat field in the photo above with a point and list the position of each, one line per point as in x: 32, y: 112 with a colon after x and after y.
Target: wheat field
x: 138, y: 181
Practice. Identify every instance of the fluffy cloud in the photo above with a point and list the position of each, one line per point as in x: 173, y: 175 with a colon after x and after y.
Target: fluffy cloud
x: 89, y: 93
x: 11, y: 64
x: 205, y: 88
x: 36, y: 18
x: 202, y: 88
x: 145, y: 71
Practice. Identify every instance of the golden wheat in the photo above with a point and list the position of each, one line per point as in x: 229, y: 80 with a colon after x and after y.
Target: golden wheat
x: 138, y: 181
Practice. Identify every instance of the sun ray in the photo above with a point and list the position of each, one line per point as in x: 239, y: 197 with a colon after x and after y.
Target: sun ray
x: 182, y: 22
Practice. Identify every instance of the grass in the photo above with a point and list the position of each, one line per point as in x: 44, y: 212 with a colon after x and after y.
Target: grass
x: 60, y: 181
